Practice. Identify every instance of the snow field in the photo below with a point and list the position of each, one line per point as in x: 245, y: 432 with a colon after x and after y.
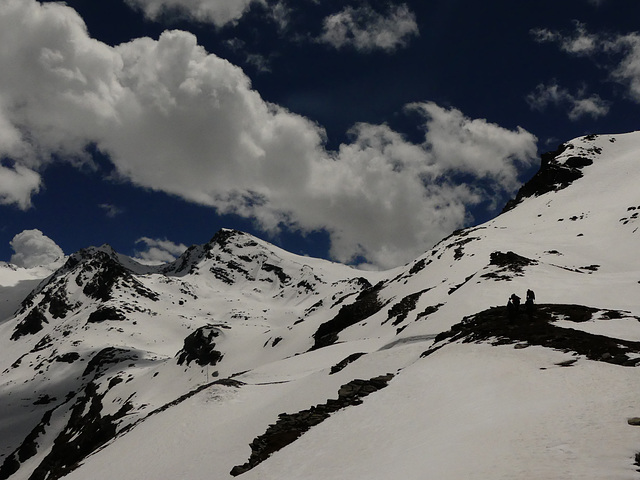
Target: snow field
x: 482, y: 412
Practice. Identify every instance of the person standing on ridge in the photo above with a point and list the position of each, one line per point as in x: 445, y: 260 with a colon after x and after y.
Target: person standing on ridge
x: 530, y: 299
x: 516, y: 302
x: 513, y: 306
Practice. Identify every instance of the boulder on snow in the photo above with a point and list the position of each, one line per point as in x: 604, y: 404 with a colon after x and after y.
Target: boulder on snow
x: 200, y: 347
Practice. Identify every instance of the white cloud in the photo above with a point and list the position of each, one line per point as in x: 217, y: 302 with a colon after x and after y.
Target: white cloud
x: 34, y: 249
x: 56, y: 84
x: 17, y: 185
x: 147, y: 103
x: 280, y: 14
x: 627, y: 71
x: 580, y: 42
x: 476, y: 146
x: 173, y: 118
x: 388, y: 199
x: 622, y: 52
x: 365, y: 29
x: 159, y: 251
x: 578, y: 105
x: 594, y: 106
x: 218, y: 12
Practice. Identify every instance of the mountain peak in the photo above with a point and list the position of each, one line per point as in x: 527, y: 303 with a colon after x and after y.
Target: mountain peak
x: 559, y: 168
x: 224, y: 235
x: 237, y: 331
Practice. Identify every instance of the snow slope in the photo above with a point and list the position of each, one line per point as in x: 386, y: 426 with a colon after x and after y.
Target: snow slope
x: 243, y: 358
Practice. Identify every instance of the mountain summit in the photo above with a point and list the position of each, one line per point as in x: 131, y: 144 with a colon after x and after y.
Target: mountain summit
x: 240, y: 359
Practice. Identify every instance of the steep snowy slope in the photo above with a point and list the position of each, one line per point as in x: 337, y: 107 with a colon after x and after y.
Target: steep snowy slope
x: 15, y: 284
x: 240, y: 359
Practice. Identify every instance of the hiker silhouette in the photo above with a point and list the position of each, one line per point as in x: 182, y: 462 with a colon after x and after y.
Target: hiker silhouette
x: 530, y: 300
x: 513, y: 305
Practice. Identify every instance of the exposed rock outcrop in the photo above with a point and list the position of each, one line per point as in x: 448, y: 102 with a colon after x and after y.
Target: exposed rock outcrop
x: 290, y: 427
x: 537, y: 328
x: 552, y: 175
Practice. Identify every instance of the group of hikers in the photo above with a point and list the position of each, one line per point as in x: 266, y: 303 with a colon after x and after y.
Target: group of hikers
x: 513, y: 305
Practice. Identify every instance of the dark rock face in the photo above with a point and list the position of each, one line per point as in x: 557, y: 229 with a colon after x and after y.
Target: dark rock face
x: 578, y: 162
x: 430, y: 310
x: 537, y: 328
x: 105, y: 313
x: 87, y: 427
x: 459, y: 247
x: 187, y: 262
x: 69, y: 357
x: 222, y: 275
x: 30, y: 325
x: 99, y: 287
x: 552, y: 176
x: 27, y: 449
x: 223, y: 236
x: 290, y: 427
x: 97, y: 272
x: 283, y: 277
x: 200, y: 347
x: 510, y: 261
x: 367, y: 303
x: 107, y: 357
x: 400, y: 311
x: 86, y: 431
x: 341, y: 365
x: 509, y: 264
x: 54, y: 301
x: 58, y: 302
x: 108, y: 274
x: 419, y: 265
x: 234, y: 260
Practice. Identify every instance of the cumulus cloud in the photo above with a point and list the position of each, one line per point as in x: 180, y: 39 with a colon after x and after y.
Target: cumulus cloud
x: 157, y: 251
x: 218, y: 12
x: 578, y: 105
x: 366, y: 30
x: 618, y: 54
x: 475, y: 146
x: 627, y: 71
x: 34, y: 249
x: 174, y: 118
x: 171, y: 116
x: 55, y: 82
x: 387, y: 199
x: 17, y: 185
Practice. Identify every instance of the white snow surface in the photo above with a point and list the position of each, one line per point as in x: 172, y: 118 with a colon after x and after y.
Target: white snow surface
x: 467, y: 410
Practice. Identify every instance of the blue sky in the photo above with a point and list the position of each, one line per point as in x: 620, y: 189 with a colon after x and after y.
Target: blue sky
x: 361, y: 131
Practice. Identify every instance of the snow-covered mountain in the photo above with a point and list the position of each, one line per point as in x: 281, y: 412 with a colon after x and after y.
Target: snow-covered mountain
x: 243, y: 360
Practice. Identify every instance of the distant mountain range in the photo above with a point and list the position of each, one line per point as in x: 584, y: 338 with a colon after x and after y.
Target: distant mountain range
x: 243, y: 360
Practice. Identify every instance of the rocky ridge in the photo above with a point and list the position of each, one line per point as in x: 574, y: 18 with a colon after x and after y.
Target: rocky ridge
x: 104, y: 344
